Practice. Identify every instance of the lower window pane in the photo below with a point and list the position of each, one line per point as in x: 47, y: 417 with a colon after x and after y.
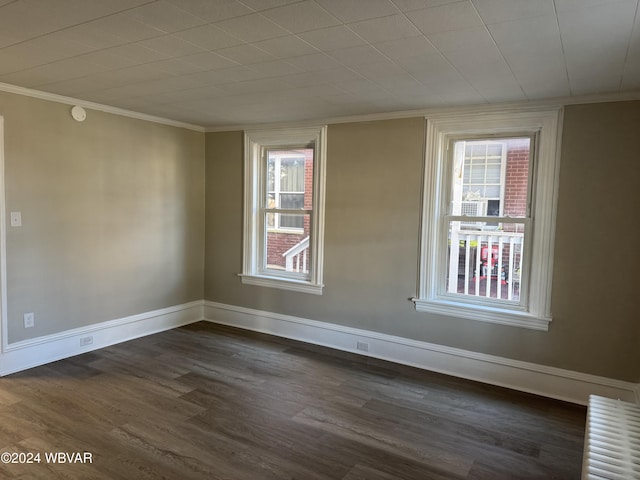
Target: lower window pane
x: 485, y: 263
x: 291, y: 221
x: 289, y: 251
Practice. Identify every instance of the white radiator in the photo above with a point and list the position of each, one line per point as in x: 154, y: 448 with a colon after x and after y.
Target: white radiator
x: 612, y: 440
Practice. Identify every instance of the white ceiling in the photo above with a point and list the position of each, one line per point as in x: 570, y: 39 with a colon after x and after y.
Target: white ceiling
x: 227, y: 62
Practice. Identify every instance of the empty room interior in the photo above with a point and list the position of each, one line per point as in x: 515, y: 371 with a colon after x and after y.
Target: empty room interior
x: 317, y: 239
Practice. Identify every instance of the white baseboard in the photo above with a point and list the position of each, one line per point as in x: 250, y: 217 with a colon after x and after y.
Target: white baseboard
x: 542, y: 380
x: 38, y: 351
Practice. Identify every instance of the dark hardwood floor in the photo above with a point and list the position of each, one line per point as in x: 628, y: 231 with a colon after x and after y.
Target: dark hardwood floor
x: 212, y: 402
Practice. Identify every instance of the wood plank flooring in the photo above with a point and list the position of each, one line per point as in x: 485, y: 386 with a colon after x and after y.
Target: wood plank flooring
x: 212, y: 402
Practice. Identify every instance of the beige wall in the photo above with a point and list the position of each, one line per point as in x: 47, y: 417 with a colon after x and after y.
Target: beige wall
x: 112, y: 211
x: 374, y: 175
x: 113, y: 225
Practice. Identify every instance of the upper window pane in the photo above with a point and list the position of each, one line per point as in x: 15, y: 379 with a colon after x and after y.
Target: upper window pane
x: 491, y: 177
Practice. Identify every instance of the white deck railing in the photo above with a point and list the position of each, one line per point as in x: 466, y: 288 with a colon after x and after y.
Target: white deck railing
x: 492, y: 256
x: 296, y: 257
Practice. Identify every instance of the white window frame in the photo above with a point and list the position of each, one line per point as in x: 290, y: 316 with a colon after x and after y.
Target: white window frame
x: 545, y: 125
x: 254, y: 270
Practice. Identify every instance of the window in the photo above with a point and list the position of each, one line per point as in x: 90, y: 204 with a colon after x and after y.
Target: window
x: 488, y: 217
x: 284, y: 203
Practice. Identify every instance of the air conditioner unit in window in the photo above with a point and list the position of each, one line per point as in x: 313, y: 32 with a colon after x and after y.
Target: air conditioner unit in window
x: 473, y: 208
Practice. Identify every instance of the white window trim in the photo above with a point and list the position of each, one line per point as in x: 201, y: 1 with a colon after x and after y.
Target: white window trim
x: 547, y: 123
x: 252, y: 273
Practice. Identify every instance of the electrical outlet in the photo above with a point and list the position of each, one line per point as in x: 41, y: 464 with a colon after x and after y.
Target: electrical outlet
x: 29, y: 320
x: 86, y: 341
x: 362, y: 346
x: 16, y: 219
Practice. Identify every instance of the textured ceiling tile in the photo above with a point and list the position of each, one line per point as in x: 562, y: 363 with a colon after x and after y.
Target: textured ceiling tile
x: 566, y: 5
x: 385, y: 28
x: 261, y: 85
x: 165, y: 16
x: 133, y: 53
x: 475, y: 39
x: 20, y: 21
x: 406, y: 48
x: 238, y: 73
x: 604, y: 32
x: 333, y: 38
x: 349, y: 11
x: 313, y: 62
x: 213, y: 10
x: 76, y: 11
x: 337, y: 76
x: 410, y: 5
x: 209, y: 37
x: 301, y: 17
x: 52, y: 72
x: 245, y: 54
x: 495, y: 11
x: 252, y: 28
x: 110, y: 31
x: 177, y: 66
x: 453, y: 16
x: 267, y: 4
x: 106, y: 59
x: 276, y: 68
x: 283, y: 47
x: 357, y: 55
x: 39, y: 51
x: 533, y: 50
x: 171, y: 46
x: 209, y: 61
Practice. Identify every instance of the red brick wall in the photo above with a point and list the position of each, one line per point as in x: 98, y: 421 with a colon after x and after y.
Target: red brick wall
x: 516, y: 179
x: 515, y: 190
x: 517, y: 176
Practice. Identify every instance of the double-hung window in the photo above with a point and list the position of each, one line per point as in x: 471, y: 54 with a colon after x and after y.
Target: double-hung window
x: 488, y: 217
x: 284, y: 208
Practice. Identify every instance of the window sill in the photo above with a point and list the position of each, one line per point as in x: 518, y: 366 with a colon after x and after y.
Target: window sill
x: 484, y: 314
x: 282, y: 283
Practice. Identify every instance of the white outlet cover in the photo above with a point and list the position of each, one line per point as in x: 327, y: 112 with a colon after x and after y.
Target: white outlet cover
x: 16, y: 219
x: 29, y: 319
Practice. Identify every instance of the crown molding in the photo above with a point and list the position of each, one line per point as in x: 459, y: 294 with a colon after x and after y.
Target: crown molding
x: 442, y: 111
x: 372, y: 117
x: 52, y: 97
